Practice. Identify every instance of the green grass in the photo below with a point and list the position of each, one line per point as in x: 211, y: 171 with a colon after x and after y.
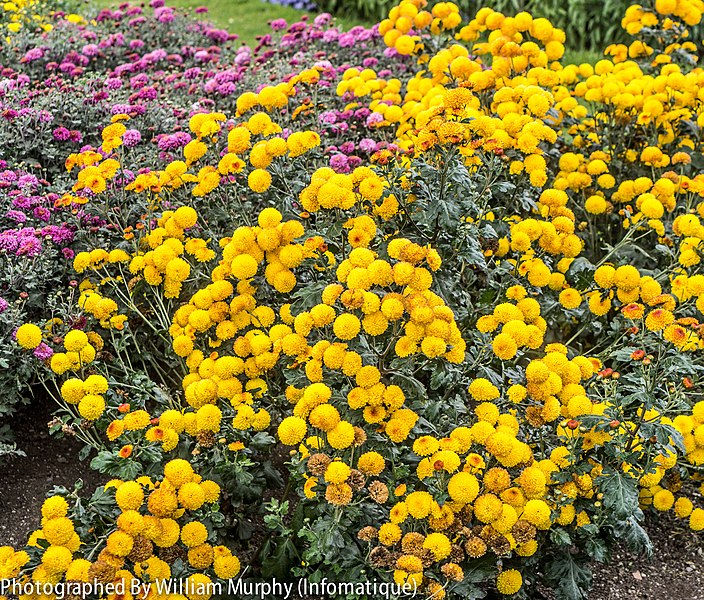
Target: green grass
x: 250, y: 18
x: 577, y: 57
x: 246, y: 18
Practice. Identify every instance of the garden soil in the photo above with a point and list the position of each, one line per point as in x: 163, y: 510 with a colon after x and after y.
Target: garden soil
x: 676, y: 570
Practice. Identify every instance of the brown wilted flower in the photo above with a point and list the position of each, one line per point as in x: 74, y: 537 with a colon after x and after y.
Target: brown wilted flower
x: 523, y: 531
x: 142, y: 549
x: 500, y: 545
x: 356, y: 480
x: 534, y: 416
x: 489, y: 533
x: 111, y: 559
x: 427, y: 557
x: 378, y: 492
x: 368, y: 533
x: 317, y: 463
x: 338, y: 494
x: 359, y: 437
x: 475, y: 547
x: 206, y: 439
x: 456, y: 554
x: 412, y: 543
x: 452, y: 571
x: 101, y: 572
x: 172, y: 554
x: 380, y: 557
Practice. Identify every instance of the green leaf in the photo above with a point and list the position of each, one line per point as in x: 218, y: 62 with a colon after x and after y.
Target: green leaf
x: 570, y: 575
x: 116, y: 466
x: 277, y: 564
x: 620, y: 494
x: 635, y: 537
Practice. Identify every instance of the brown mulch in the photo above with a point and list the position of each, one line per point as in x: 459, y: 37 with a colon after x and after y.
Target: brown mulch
x: 25, y: 481
x: 676, y: 570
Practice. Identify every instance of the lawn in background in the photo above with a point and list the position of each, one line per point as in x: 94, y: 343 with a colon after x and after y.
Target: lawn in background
x: 250, y: 18
x: 246, y: 18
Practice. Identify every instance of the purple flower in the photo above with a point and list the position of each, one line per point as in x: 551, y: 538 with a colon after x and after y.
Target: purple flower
x: 16, y: 215
x: 113, y: 83
x: 42, y: 213
x: 90, y: 50
x: 328, y: 117
x: 164, y: 14
x: 331, y: 35
x: 367, y: 145
x: 3, y: 305
x: 8, y: 176
x: 338, y: 162
x: 33, y: 54
x: 61, y: 134
x: 373, y: 119
x: 322, y: 20
x: 29, y: 246
x: 27, y: 181
x: 347, y: 40
x: 131, y: 138
x: 227, y: 89
x: 42, y: 351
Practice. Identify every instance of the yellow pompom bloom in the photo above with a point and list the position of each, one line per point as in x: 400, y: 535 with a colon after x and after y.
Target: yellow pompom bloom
x: 371, y: 463
x: 75, y: 340
x: 178, y: 471
x: 29, y: 336
x: 54, y: 507
x: 72, y: 390
x: 194, y: 534
x: 185, y: 217
x: 292, y: 430
x: 463, y: 487
x: 504, y: 346
x: 346, y: 326
x: 570, y: 298
x: 509, y: 582
x: 91, y: 407
x: 244, y: 266
x: 259, y: 180
x: 337, y: 472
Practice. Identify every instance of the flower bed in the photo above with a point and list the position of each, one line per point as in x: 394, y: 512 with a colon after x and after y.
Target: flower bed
x: 416, y: 299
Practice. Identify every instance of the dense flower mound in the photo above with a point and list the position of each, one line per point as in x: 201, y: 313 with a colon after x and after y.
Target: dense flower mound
x: 442, y: 288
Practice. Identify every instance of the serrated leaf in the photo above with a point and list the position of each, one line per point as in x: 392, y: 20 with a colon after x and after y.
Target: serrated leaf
x: 635, y: 537
x: 570, y: 577
x: 620, y: 494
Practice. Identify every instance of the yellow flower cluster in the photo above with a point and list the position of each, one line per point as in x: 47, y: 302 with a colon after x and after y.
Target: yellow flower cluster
x: 329, y: 190
x: 95, y: 171
x: 165, y: 262
x: 87, y: 394
x: 277, y: 96
x: 410, y: 16
x: 81, y: 349
x: 27, y: 13
x: 592, y: 157
x: 241, y: 147
x: 152, y: 518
